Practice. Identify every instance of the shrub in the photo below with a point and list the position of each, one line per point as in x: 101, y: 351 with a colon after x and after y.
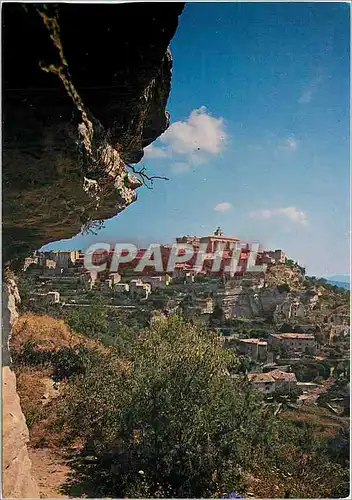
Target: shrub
x: 64, y: 361
x: 91, y: 321
x: 68, y: 361
x: 31, y: 354
x: 173, y: 414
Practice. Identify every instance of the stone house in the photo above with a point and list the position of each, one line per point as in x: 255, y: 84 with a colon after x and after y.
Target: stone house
x: 263, y: 382
x: 291, y: 308
x: 284, y: 381
x: 157, y: 281
x: 255, y: 349
x: 199, y: 306
x: 63, y: 258
x: 275, y: 380
x: 140, y: 289
x: 49, y: 264
x: 271, y: 257
x: 294, y: 342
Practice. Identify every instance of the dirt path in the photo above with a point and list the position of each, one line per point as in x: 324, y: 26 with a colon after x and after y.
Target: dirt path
x: 49, y: 471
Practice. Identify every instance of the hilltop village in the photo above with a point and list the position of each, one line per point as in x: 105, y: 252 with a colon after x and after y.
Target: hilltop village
x: 274, y: 319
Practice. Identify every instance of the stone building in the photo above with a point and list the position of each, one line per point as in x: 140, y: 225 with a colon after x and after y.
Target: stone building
x: 295, y: 342
x: 263, y: 382
x: 255, y: 349
x: 140, y: 289
x: 157, y: 281
x: 63, y: 258
x: 273, y: 381
x: 122, y: 287
x: 29, y: 261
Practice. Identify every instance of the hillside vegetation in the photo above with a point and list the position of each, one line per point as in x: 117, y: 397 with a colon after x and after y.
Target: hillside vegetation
x: 165, y: 418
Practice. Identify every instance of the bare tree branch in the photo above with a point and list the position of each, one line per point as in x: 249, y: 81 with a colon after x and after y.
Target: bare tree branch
x: 144, y: 177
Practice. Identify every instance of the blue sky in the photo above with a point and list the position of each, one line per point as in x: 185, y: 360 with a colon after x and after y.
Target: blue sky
x: 259, y: 135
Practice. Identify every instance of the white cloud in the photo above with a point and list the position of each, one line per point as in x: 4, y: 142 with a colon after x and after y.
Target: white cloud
x: 154, y: 152
x: 190, y: 142
x: 294, y: 214
x: 223, y: 207
x: 180, y: 168
x: 291, y: 213
x: 198, y: 137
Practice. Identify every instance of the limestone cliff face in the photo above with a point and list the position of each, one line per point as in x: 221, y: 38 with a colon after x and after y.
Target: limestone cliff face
x: 249, y: 302
x: 84, y: 91
x: 17, y: 481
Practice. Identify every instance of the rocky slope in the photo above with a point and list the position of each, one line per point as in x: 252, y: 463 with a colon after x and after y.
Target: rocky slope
x: 84, y: 91
x: 286, y: 297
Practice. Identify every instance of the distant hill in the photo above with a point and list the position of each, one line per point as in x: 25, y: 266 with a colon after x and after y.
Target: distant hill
x: 340, y: 284
x: 340, y: 280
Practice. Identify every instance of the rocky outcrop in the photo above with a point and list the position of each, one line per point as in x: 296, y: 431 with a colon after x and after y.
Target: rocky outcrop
x: 10, y: 301
x: 247, y: 302
x: 84, y: 91
x: 17, y: 481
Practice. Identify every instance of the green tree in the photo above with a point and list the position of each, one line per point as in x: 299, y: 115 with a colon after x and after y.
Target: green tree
x: 173, y: 413
x: 91, y: 321
x: 217, y: 316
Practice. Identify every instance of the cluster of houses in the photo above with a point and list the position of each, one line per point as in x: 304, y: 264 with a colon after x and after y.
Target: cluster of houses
x: 63, y: 259
x: 286, y: 343
x: 243, y: 296
x: 263, y: 352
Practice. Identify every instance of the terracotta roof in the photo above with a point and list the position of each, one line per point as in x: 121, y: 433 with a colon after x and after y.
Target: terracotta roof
x: 272, y: 377
x: 294, y: 336
x: 253, y: 341
x: 260, y: 377
x: 279, y: 375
